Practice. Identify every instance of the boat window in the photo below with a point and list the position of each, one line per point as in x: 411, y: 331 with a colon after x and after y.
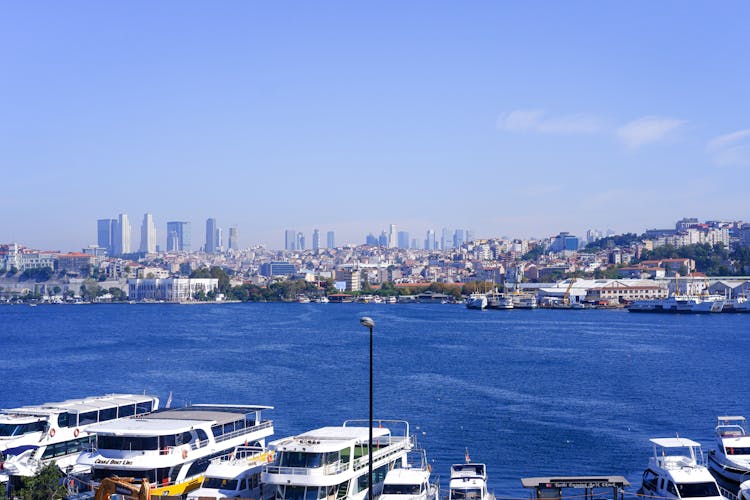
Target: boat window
x: 332, y: 457
x: 670, y: 488
x: 218, y: 430
x: 690, y: 490
x: 249, y: 420
x: 87, y: 418
x: 127, y: 443
x: 7, y: 430
x: 107, y: 414
x: 378, y: 475
x: 400, y: 489
x: 312, y: 493
x: 201, y: 464
x: 649, y: 480
x: 202, y: 434
x: 738, y: 451
x: 150, y: 474
x: 466, y: 494
x: 143, y: 407
x: 293, y: 493
x: 64, y: 420
x: 300, y: 459
x: 126, y: 411
x: 220, y: 483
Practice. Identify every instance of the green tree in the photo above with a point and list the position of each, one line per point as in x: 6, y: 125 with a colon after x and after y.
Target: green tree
x: 45, y: 485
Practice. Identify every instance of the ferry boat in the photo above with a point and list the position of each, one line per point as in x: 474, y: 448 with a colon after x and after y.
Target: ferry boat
x: 499, y: 301
x: 524, y: 301
x: 172, y: 449
x: 476, y: 301
x: 31, y: 436
x: 333, y: 462
x: 731, y: 458
x: 235, y: 475
x: 468, y: 481
x: 680, y: 304
x: 413, y: 481
x: 676, y: 471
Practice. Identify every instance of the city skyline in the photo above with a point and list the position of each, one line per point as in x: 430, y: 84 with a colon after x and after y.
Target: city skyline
x: 509, y: 118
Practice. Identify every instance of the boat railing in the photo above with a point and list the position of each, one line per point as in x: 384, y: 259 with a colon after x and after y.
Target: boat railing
x: 325, y: 470
x: 394, y: 445
x: 727, y: 494
x: 230, y: 435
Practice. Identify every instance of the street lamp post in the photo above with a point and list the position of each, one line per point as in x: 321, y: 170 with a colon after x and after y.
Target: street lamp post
x: 369, y: 323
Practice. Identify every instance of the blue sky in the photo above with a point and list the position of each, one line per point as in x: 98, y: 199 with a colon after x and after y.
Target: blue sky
x: 509, y: 118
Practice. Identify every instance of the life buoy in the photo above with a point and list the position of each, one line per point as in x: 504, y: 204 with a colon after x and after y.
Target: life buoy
x: 52, y: 433
x: 75, y: 433
x: 184, y: 454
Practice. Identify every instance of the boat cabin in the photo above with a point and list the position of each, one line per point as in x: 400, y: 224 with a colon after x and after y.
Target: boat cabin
x: 582, y: 487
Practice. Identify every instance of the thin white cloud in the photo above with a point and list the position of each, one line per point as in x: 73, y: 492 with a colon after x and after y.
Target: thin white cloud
x: 731, y: 149
x: 537, y: 120
x: 647, y: 130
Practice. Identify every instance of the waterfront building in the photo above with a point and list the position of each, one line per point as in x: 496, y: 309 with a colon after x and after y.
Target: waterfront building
x: 316, y: 240
x: 212, y: 236
x: 75, y: 262
x: 178, y: 236
x: 290, y: 239
x: 148, y: 234
x: 170, y: 289
x: 351, y: 278
x: 269, y: 269
x: 330, y: 242
x: 121, y: 240
x: 105, y: 234
x: 233, y: 243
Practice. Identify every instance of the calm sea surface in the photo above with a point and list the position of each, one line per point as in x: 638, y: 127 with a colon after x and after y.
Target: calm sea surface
x: 528, y: 392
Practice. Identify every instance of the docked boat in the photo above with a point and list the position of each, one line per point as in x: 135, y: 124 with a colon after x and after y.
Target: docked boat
x: 676, y: 471
x: 333, y: 462
x: 497, y: 300
x: 412, y: 481
x: 31, y: 436
x: 731, y: 457
x: 476, y: 301
x: 468, y: 481
x: 737, y: 305
x: 680, y: 304
x: 235, y: 475
x: 744, y: 491
x: 172, y: 449
x: 524, y: 301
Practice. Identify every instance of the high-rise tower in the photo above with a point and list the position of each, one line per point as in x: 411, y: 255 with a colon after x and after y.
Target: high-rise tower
x: 121, y: 240
x: 212, y: 244
x: 148, y: 234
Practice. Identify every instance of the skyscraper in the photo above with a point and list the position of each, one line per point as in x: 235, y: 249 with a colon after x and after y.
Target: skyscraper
x: 121, y: 240
x: 330, y: 243
x: 233, y: 239
x: 148, y: 234
x: 300, y: 241
x: 212, y: 243
x: 316, y: 240
x: 403, y: 240
x: 178, y: 236
x: 105, y: 234
x: 429, y: 242
x: 392, y: 238
x: 290, y: 239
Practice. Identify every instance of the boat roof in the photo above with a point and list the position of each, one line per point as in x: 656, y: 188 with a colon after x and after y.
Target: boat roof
x: 675, y: 442
x: 328, y: 439
x: 724, y: 420
x: 574, y: 482
x: 174, y: 420
x: 466, y: 470
x: 406, y: 476
x: 83, y: 405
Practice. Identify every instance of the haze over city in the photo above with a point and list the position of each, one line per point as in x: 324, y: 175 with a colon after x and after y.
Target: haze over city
x: 520, y: 119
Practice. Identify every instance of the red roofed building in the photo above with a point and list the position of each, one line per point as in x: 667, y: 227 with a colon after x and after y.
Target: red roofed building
x: 75, y: 262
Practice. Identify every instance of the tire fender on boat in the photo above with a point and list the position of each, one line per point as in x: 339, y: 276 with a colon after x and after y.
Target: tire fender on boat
x: 184, y: 454
x: 52, y: 433
x: 75, y: 433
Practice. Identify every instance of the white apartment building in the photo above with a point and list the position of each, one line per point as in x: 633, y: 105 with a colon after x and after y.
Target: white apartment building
x: 170, y: 289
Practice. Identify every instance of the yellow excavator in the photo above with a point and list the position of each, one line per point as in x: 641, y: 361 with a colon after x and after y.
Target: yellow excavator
x: 129, y: 487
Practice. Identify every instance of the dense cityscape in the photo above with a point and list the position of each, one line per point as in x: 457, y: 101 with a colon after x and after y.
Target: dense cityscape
x: 448, y: 264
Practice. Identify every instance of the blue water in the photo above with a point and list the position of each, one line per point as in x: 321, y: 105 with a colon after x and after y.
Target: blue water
x: 530, y: 393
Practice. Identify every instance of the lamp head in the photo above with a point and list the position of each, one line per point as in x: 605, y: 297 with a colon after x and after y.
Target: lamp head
x: 366, y: 321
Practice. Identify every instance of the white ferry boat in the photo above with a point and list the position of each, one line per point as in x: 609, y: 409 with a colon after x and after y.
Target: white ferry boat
x: 235, y: 475
x: 33, y: 436
x: 676, y: 471
x: 476, y: 301
x: 333, y: 462
x: 468, y: 481
x: 680, y: 304
x: 731, y: 458
x: 497, y: 300
x: 524, y: 301
x: 412, y: 481
x: 172, y: 449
